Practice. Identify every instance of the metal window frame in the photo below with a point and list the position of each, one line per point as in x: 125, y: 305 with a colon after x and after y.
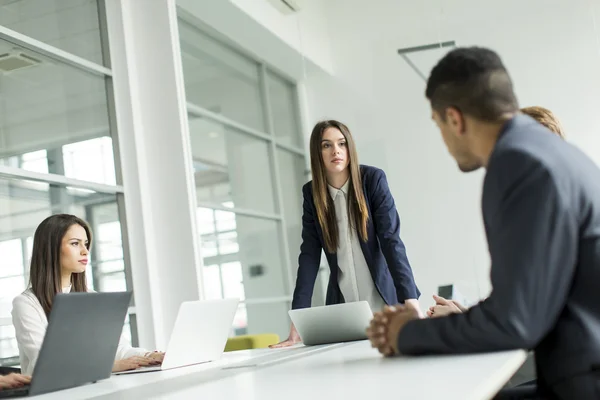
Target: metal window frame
x: 274, y: 146
x: 240, y: 211
x: 277, y: 182
x: 52, y: 52
x: 65, y: 58
x: 198, y: 111
x: 61, y: 180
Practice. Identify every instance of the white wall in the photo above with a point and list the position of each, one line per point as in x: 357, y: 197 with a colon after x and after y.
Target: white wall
x: 550, y: 48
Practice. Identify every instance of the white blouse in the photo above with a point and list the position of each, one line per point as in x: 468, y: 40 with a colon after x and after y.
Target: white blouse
x: 30, y: 324
x: 354, y: 278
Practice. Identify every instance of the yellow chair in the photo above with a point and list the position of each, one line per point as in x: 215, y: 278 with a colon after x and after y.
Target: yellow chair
x: 246, y: 342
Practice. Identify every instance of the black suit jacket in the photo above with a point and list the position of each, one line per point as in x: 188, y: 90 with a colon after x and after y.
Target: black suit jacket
x: 541, y: 210
x: 384, y: 251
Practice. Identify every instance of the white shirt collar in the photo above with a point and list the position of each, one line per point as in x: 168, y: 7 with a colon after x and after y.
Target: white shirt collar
x: 67, y: 289
x: 334, y: 192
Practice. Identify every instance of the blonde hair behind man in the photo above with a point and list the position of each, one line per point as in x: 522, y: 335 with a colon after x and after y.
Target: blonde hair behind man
x: 546, y: 118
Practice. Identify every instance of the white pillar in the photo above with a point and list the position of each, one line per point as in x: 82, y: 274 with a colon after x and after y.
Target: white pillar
x: 155, y: 160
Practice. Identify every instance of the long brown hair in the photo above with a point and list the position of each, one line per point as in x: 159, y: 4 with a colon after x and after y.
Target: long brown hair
x: 546, y: 118
x: 45, y: 276
x: 357, y: 206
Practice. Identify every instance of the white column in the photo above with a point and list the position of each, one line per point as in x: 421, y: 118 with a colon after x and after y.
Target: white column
x: 156, y: 163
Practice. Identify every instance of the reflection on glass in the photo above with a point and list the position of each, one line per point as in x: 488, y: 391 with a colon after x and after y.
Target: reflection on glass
x: 107, y: 264
x: 98, y: 153
x: 212, y: 282
x: 70, y: 25
x: 12, y: 258
x: 219, y: 79
x: 55, y: 119
x: 225, y: 220
x: 249, y: 258
x: 230, y: 167
x: 209, y: 246
x: 228, y: 242
x: 268, y: 317
x: 233, y: 285
x: 114, y: 282
x: 246, y: 263
x: 261, y: 258
x: 206, y: 221
x: 291, y: 170
x: 240, y: 321
x: 36, y: 161
x: 284, y: 109
x: 9, y: 352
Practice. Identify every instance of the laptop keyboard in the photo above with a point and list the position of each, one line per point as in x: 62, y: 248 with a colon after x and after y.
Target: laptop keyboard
x: 16, y: 392
x: 281, y: 355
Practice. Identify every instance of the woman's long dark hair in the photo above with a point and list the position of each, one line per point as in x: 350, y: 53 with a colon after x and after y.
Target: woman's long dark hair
x: 357, y: 205
x: 45, y: 276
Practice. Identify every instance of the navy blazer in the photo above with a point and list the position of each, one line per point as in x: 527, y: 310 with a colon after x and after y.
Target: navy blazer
x: 384, y: 251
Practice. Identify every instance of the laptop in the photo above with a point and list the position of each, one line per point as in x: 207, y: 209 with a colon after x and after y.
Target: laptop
x: 336, y: 323
x: 199, y: 335
x: 80, y: 343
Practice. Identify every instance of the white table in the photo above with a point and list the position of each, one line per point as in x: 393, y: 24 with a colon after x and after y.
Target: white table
x: 343, y: 371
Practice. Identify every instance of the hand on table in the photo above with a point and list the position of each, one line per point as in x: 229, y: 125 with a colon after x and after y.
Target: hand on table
x: 293, y: 338
x: 157, y: 356
x: 444, y: 307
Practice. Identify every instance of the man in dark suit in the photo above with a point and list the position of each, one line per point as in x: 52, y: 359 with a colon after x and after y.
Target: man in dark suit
x: 541, y: 210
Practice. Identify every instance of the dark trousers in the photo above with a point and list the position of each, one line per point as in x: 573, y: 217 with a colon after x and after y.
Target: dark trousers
x: 524, y: 391
x: 584, y: 386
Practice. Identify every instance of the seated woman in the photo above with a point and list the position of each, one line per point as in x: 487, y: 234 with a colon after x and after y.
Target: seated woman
x: 61, y: 247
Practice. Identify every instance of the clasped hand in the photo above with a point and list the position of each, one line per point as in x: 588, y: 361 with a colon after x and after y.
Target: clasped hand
x: 386, y: 326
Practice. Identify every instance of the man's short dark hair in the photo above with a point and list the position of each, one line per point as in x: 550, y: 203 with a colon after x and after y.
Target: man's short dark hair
x: 473, y: 80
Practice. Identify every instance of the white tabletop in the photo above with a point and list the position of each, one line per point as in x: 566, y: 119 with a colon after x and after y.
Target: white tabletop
x: 344, y: 371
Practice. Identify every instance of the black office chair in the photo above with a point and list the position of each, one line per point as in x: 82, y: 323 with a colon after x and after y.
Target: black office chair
x: 525, y: 391
x: 9, y: 370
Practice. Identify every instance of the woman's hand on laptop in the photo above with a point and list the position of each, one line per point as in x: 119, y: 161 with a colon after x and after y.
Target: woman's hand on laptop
x: 13, y: 381
x: 135, y: 362
x: 157, y: 356
x: 293, y: 338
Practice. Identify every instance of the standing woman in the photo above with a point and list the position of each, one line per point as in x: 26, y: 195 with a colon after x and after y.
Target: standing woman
x: 61, y: 247
x: 349, y: 212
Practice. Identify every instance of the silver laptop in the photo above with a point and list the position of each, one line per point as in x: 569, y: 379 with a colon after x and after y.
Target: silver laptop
x: 88, y: 324
x: 199, y: 335
x: 332, y: 324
